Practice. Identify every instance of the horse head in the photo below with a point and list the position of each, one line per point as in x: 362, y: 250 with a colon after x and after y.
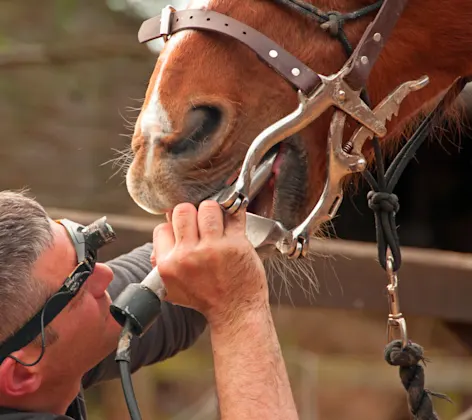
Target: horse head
x: 210, y: 96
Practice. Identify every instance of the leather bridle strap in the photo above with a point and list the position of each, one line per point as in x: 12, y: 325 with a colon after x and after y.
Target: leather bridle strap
x: 288, y: 66
x: 372, y: 42
x: 291, y: 68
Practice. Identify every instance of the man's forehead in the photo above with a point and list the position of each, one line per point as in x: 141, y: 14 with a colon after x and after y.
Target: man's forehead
x: 58, y: 261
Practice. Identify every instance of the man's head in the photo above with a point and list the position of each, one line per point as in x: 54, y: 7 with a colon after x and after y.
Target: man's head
x: 36, y: 256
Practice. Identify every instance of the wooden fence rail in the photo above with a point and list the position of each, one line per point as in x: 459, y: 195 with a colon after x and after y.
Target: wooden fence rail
x: 88, y: 49
x: 433, y: 283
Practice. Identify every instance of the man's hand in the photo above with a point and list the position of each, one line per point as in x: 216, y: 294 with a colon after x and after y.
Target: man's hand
x: 207, y: 263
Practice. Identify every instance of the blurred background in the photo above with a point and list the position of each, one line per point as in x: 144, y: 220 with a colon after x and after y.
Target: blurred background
x: 72, y: 78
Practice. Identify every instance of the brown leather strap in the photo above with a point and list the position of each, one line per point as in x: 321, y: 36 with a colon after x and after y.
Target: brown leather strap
x: 372, y: 42
x: 292, y: 69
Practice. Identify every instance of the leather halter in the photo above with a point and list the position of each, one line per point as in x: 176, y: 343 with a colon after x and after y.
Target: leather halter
x: 292, y: 69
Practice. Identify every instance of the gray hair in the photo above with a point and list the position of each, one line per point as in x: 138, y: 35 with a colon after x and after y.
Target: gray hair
x: 25, y: 233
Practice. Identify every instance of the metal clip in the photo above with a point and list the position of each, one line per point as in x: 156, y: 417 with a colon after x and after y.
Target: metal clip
x: 166, y: 20
x: 395, y: 317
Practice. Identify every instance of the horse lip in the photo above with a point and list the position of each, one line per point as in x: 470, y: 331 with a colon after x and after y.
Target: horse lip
x: 291, y: 186
x: 283, y: 195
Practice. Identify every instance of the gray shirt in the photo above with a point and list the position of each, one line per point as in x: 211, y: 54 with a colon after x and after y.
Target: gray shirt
x: 176, y: 329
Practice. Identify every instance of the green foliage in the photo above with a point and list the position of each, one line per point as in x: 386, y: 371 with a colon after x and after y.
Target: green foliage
x: 64, y: 11
x: 4, y: 41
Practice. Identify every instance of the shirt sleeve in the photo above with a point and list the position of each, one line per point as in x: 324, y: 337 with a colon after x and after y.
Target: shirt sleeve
x: 176, y: 329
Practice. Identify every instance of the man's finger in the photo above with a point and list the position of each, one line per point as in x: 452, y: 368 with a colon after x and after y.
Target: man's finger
x: 235, y: 223
x: 163, y: 240
x: 153, y: 258
x: 210, y: 220
x: 184, y: 221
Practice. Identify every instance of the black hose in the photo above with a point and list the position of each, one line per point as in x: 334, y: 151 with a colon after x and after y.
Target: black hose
x: 123, y: 357
x: 128, y: 390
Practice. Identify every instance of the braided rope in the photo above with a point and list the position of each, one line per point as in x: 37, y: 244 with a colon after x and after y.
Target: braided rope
x: 413, y: 378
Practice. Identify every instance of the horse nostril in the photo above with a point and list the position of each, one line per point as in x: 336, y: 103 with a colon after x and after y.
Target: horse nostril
x: 200, y: 123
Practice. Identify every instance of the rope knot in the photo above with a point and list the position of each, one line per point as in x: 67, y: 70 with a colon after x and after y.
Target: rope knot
x: 412, y: 377
x: 379, y: 201
x: 411, y: 355
x: 333, y: 24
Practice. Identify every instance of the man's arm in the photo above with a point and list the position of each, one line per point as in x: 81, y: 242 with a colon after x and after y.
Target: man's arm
x: 229, y: 287
x: 175, y: 330
x: 250, y: 373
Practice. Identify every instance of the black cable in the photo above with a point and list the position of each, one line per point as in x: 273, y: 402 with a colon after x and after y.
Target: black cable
x: 128, y: 390
x: 43, y: 334
x: 123, y: 357
x: 136, y: 308
x: 37, y: 323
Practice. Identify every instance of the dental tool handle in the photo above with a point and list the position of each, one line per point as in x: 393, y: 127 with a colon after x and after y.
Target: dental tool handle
x: 153, y: 281
x: 139, y: 304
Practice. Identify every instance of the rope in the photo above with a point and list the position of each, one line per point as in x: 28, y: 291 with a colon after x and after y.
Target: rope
x: 331, y: 22
x: 381, y: 199
x: 412, y: 378
x: 385, y: 205
x: 321, y: 17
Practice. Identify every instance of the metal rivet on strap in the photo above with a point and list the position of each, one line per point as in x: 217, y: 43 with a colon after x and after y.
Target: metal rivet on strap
x: 364, y: 59
x: 295, y: 71
x: 377, y: 37
x: 341, y: 95
x: 273, y: 53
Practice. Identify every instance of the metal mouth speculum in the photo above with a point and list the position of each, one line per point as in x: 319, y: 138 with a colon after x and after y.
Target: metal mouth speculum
x: 341, y: 160
x: 333, y: 91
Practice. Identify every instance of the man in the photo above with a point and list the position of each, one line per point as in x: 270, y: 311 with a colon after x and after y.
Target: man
x: 207, y: 263
x: 205, y: 266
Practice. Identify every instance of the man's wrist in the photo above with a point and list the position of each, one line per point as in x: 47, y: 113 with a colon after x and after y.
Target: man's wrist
x: 230, y: 320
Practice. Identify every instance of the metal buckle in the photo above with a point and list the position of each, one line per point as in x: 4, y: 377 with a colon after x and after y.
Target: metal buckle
x: 166, y: 22
x: 396, y: 321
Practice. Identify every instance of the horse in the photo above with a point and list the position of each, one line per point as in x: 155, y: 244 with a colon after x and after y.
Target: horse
x: 209, y: 96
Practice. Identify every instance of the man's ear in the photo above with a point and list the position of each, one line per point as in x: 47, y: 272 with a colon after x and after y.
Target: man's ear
x: 17, y: 380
